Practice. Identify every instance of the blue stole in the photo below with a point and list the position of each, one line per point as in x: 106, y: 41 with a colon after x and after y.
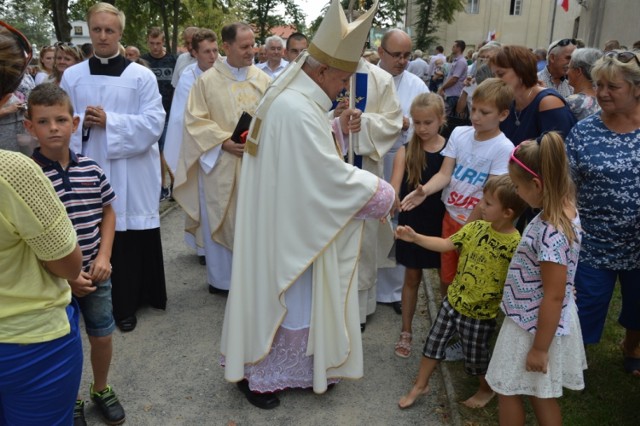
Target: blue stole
x: 360, y: 103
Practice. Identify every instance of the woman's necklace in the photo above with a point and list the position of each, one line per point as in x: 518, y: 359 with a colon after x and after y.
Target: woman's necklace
x: 519, y: 113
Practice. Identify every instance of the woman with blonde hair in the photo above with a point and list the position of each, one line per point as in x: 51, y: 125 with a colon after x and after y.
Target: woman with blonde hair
x: 45, y: 64
x: 67, y: 55
x: 604, y: 154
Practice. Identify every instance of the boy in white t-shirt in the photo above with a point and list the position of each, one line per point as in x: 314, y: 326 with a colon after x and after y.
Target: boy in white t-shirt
x: 472, y: 155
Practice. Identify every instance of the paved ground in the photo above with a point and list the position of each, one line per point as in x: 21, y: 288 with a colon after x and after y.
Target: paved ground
x: 166, y: 371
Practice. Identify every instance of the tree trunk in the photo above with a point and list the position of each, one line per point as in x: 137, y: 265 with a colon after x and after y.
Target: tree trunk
x: 60, y: 10
x: 176, y: 24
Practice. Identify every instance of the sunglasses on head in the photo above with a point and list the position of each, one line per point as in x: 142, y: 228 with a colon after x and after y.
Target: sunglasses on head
x: 64, y: 43
x: 624, y: 56
x: 26, y: 48
x: 564, y: 42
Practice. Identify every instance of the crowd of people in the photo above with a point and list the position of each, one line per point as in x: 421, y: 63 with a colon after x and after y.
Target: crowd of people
x: 512, y: 172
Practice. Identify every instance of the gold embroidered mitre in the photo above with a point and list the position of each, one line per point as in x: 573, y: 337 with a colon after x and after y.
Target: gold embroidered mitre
x: 338, y: 43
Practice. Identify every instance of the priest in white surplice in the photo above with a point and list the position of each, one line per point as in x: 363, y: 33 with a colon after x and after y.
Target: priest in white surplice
x: 381, y: 122
x: 293, y: 299
x: 122, y: 119
x: 395, y: 52
x: 208, y: 169
x: 204, y: 46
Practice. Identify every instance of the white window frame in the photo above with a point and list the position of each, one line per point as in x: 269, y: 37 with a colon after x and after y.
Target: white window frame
x: 515, y: 8
x: 473, y: 7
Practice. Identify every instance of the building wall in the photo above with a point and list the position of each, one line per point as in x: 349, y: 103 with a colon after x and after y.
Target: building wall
x: 594, y: 21
x: 603, y: 20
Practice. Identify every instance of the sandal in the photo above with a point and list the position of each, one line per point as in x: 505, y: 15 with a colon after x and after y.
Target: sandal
x: 403, y: 345
x: 632, y: 365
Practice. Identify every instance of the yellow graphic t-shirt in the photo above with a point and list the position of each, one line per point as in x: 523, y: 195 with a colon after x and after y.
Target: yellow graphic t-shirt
x: 485, y: 254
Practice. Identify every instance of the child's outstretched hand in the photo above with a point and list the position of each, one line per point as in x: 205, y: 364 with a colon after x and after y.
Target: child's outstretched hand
x: 406, y: 233
x: 537, y: 361
x: 395, y: 207
x: 414, y: 199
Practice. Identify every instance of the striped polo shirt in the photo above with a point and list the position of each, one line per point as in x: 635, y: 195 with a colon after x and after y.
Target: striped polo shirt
x: 84, y: 190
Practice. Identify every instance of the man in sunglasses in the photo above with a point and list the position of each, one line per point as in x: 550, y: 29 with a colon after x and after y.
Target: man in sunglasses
x: 554, y: 75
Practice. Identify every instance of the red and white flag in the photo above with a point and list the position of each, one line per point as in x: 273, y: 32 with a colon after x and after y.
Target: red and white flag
x: 491, y: 36
x: 564, y: 4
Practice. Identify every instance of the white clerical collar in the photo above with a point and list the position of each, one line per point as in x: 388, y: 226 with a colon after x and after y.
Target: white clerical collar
x: 239, y: 73
x: 105, y: 60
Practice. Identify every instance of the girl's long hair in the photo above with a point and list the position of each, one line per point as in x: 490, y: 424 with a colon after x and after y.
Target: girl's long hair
x: 415, y: 162
x: 546, y: 156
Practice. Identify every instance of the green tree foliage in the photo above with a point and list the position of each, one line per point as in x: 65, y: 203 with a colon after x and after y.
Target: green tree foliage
x: 264, y: 15
x: 208, y: 14
x: 431, y: 13
x: 390, y: 12
x: 31, y: 18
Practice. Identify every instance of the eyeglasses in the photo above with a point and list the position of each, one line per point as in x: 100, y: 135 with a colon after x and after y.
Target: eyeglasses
x: 26, y: 48
x: 521, y: 164
x: 398, y: 55
x: 625, y: 56
x: 564, y: 42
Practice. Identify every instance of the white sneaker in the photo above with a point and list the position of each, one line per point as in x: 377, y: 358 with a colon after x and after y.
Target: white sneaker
x: 454, y: 352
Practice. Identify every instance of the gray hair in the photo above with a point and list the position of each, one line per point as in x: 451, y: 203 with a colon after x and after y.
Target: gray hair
x: 492, y: 45
x: 584, y: 59
x: 312, y: 62
x: 483, y: 72
x: 274, y: 40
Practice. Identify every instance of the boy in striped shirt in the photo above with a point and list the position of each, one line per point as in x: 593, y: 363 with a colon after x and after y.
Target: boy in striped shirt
x: 85, y: 192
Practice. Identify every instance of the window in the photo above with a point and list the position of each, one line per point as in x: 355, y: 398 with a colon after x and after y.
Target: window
x: 77, y: 30
x: 515, y: 7
x: 472, y: 6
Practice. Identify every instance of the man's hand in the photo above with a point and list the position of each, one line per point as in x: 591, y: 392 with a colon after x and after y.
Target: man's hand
x: 340, y: 108
x: 82, y: 285
x: 395, y: 207
x: 405, y: 123
x: 350, y: 120
x: 233, y: 148
x: 94, y: 116
x: 413, y: 199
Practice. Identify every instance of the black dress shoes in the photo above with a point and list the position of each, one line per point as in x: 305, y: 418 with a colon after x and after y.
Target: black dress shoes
x: 265, y: 401
x: 397, y: 306
x: 127, y: 324
x: 216, y: 290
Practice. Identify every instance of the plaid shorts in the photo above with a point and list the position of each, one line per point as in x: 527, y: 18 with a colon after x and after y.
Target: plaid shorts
x: 474, y: 336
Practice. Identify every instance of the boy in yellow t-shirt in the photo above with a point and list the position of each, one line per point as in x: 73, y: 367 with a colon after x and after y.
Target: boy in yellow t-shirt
x: 473, y: 298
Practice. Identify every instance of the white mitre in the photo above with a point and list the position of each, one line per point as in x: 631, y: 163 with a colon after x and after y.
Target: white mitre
x: 338, y: 43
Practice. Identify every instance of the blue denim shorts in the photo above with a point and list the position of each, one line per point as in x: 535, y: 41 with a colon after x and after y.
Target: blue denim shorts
x: 97, y: 310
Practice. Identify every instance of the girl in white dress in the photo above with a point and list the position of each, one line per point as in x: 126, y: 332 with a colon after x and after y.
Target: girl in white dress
x: 539, y: 349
